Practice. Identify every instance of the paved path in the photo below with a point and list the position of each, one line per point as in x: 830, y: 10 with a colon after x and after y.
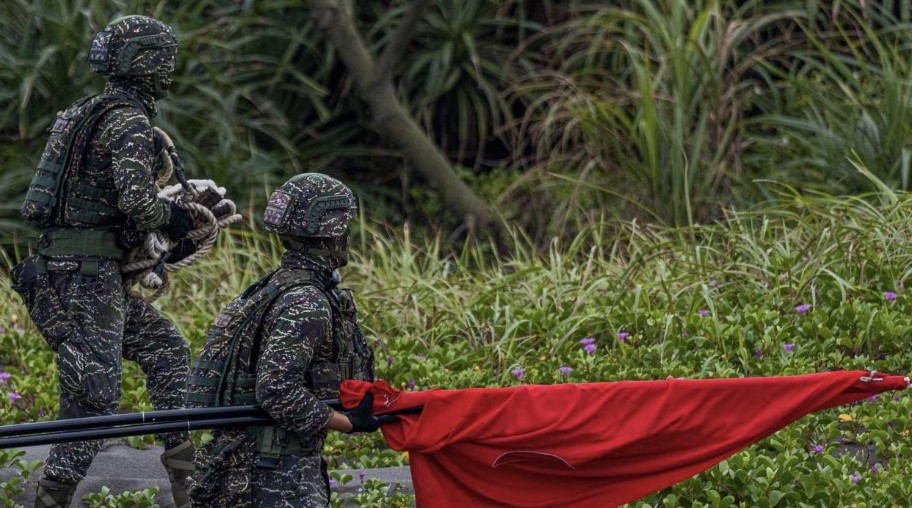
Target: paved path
x: 122, y: 468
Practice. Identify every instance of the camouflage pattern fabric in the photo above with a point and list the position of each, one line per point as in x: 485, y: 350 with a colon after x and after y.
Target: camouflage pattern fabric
x: 87, y: 315
x: 140, y: 48
x: 118, y: 158
x: 105, y: 324
x: 227, y: 476
x: 310, y: 205
x: 297, y: 365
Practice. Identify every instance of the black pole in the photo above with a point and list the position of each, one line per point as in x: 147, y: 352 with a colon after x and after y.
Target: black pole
x: 166, y: 415
x: 153, y: 422
x: 131, y: 430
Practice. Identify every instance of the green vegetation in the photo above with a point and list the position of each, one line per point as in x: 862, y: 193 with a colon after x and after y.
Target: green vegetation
x: 815, y: 284
x: 666, y: 167
x: 666, y: 111
x: 104, y: 499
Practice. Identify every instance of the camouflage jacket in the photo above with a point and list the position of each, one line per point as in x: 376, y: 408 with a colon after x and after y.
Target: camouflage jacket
x: 119, y: 158
x: 307, y: 340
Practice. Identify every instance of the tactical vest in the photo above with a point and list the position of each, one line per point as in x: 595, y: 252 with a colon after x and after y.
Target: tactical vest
x: 62, y: 156
x: 225, y: 372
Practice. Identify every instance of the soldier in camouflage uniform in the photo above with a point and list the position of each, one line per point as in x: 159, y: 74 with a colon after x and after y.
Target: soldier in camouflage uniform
x: 284, y: 344
x: 94, y: 196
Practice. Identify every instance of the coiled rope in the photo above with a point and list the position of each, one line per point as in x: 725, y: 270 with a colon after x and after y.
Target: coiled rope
x: 203, y: 199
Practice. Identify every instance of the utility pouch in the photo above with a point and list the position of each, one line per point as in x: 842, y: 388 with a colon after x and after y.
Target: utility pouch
x: 220, y: 476
x: 25, y: 275
x: 357, y: 355
x: 324, y: 378
x: 30, y: 279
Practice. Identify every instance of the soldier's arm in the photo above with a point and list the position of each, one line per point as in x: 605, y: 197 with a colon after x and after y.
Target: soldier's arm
x: 128, y: 134
x: 284, y: 363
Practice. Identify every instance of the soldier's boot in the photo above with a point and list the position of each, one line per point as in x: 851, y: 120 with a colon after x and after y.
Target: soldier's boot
x: 178, y: 461
x: 53, y: 494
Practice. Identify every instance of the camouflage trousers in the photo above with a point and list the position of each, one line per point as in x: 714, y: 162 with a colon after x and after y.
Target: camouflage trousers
x: 92, y: 322
x: 230, y: 474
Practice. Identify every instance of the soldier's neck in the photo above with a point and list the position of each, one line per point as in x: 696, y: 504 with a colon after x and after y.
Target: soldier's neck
x: 133, y: 89
x: 293, y: 259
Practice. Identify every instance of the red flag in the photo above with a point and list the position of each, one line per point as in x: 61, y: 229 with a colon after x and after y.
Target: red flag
x: 592, y: 444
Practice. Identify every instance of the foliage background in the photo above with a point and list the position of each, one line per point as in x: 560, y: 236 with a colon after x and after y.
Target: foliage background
x: 559, y: 113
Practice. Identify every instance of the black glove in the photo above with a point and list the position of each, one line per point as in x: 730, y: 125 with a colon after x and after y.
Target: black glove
x: 181, y: 250
x: 362, y: 417
x: 180, y: 223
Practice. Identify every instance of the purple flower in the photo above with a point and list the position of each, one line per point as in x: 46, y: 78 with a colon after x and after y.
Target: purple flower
x: 874, y: 470
x: 411, y: 384
x: 40, y: 412
x: 590, y: 348
x: 855, y: 479
x: 361, y: 476
x: 889, y: 295
x: 5, y: 376
x: 588, y: 341
x: 714, y: 283
x: 622, y: 336
x: 19, y: 330
x: 758, y: 353
x: 891, y: 425
x: 565, y: 371
x: 13, y: 397
x: 518, y: 372
x: 788, y: 347
x: 703, y: 312
x: 872, y: 398
x: 389, y: 361
x: 803, y: 308
x: 819, y: 448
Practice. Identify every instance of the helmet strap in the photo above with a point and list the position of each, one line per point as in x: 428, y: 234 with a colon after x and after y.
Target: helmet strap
x: 335, y: 253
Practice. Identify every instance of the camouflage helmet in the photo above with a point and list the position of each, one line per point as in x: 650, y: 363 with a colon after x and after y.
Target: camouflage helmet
x: 134, y: 46
x: 310, y: 205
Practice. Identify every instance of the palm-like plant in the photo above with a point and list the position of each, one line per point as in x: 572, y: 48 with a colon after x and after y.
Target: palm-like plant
x: 463, y: 56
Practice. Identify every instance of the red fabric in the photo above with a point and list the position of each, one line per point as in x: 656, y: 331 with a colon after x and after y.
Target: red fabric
x: 592, y: 444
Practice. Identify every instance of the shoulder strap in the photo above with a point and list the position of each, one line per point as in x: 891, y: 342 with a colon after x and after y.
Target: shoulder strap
x: 281, y: 281
x: 78, y: 140
x: 273, y: 285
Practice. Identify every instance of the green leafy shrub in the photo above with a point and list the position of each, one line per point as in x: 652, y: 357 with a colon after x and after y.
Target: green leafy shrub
x: 808, y: 286
x: 105, y: 499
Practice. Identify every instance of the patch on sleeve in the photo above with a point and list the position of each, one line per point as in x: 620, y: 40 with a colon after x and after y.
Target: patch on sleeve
x: 222, y: 320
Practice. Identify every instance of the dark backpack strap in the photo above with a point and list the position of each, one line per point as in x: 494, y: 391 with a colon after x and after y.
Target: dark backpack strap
x: 79, y: 141
x: 284, y: 284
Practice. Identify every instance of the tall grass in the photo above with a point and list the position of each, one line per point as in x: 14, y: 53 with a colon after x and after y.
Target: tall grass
x: 672, y: 111
x: 843, y: 95
x: 647, y: 103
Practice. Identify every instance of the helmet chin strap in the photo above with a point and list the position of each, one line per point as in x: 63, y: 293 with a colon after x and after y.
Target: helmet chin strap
x: 333, y: 251
x: 159, y: 78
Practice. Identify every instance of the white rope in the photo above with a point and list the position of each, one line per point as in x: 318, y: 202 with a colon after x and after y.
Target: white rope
x: 143, y: 263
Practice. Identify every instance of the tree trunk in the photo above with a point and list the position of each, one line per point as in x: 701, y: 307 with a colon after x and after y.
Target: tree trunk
x: 375, y: 85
